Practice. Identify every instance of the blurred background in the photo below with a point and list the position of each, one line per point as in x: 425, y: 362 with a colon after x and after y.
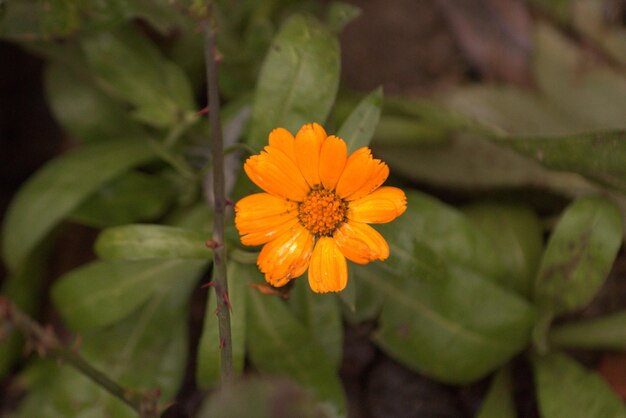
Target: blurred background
x: 535, y: 67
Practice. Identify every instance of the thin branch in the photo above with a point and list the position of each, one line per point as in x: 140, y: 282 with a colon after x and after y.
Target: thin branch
x: 46, y: 343
x: 220, y: 283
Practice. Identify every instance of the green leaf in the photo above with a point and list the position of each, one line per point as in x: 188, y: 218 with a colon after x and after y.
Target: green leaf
x: 470, y: 163
x: 279, y: 344
x: 137, y: 242
x: 49, y: 20
x: 425, y: 110
x: 61, y: 391
x: 366, y: 303
x: 446, y: 231
x: 129, y: 198
x: 24, y: 287
x: 533, y: 122
x: 19, y: 18
x: 593, y: 94
x: 565, y: 389
x: 11, y: 350
x: 518, y: 238
x: 577, y: 260
x: 321, y: 314
x: 360, y: 126
x: 161, y: 14
x: 244, y: 39
x: 132, y: 68
x: 258, y: 397
x: 209, y: 358
x: 569, y: 99
x: 580, y: 108
x: 579, y: 255
x: 348, y: 295
x: 456, y: 329
x: 61, y: 186
x: 341, y: 14
x: 60, y: 17
x: 198, y: 217
x: 442, y: 308
x: 394, y: 130
x: 515, y: 111
x: 499, y: 402
x: 298, y: 81
x: 599, y: 156
x: 147, y: 350
x: 103, y: 292
x: 602, y: 333
x: 153, y: 338
x: 84, y: 111
x: 590, y: 21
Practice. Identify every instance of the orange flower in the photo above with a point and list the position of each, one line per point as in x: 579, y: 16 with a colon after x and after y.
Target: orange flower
x: 316, y: 207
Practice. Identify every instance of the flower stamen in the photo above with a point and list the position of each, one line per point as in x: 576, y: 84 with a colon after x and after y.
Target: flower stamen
x: 322, y: 212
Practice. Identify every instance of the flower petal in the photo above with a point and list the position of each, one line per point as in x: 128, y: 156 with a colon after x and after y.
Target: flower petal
x: 287, y: 256
x: 379, y: 207
x: 282, y: 139
x: 260, y: 205
x: 361, y: 243
x: 261, y: 217
x: 307, y: 147
x: 248, y: 224
x: 333, y: 156
x: 274, y: 172
x: 262, y: 236
x: 362, y: 175
x: 328, y: 271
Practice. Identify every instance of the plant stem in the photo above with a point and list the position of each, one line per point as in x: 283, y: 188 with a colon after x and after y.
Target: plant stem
x: 46, y: 342
x: 220, y: 283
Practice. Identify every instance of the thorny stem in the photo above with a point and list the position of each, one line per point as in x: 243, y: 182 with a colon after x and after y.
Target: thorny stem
x: 45, y: 342
x: 220, y: 283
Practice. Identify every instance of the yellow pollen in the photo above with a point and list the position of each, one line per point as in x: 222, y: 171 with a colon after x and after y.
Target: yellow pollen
x: 322, y: 211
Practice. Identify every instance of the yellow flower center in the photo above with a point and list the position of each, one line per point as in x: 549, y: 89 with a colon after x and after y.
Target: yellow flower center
x: 322, y: 211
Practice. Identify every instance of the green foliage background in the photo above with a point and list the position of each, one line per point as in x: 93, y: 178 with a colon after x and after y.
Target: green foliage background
x: 465, y: 290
